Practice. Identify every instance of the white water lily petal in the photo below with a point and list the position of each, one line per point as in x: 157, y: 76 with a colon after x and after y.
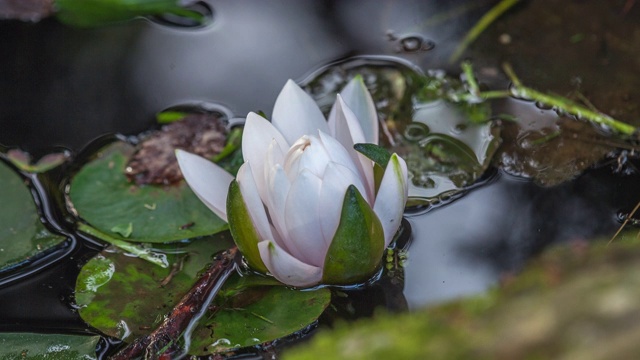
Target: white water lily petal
x: 257, y: 135
x: 303, y: 218
x: 274, y: 157
x: 253, y: 202
x: 359, y: 100
x: 335, y: 182
x: 296, y: 114
x: 279, y: 185
x: 343, y: 135
x: 337, y: 152
x: 292, y: 157
x: 340, y: 112
x: 315, y: 157
x: 207, y: 180
x: 392, y: 196
x: 286, y: 268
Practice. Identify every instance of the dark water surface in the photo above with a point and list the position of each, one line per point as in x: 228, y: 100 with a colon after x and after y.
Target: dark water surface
x: 62, y: 87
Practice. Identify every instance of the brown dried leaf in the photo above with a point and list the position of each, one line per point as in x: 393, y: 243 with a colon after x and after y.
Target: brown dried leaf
x: 155, y: 163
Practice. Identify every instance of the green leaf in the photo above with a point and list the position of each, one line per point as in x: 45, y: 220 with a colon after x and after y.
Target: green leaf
x: 103, y: 197
x: 169, y: 116
x: 358, y: 245
x: 242, y: 229
x: 255, y: 315
x: 376, y: 153
x: 379, y: 155
x: 18, y: 346
x: 117, y: 293
x: 22, y: 235
x: 87, y: 13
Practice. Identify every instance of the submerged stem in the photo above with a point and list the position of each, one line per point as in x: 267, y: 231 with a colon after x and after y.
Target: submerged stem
x: 145, y: 254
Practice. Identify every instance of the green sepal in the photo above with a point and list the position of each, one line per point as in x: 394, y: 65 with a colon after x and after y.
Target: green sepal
x: 242, y: 230
x: 379, y: 155
x: 358, y: 245
x: 376, y: 153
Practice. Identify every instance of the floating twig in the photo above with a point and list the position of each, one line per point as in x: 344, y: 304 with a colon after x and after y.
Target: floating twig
x: 565, y: 105
x: 162, y: 342
x: 480, y: 26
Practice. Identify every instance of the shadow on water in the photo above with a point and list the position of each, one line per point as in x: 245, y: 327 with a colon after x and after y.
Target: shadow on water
x: 65, y: 87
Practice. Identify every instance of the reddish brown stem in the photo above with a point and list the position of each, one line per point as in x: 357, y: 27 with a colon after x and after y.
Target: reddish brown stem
x: 161, y: 342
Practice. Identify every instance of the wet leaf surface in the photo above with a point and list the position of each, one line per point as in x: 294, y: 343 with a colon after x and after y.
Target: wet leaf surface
x: 256, y: 315
x: 18, y: 346
x: 22, y: 236
x: 156, y: 214
x: 125, y: 297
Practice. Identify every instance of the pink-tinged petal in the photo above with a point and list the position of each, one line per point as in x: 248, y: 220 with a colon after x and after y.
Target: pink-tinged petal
x: 341, y: 113
x: 359, y: 100
x: 315, y: 157
x: 296, y: 114
x: 337, y: 179
x: 207, y: 180
x: 337, y: 152
x: 292, y: 157
x: 303, y: 218
x: 257, y: 136
x: 286, y: 268
x: 343, y: 135
x: 392, y: 197
x: 279, y: 186
x: 253, y: 202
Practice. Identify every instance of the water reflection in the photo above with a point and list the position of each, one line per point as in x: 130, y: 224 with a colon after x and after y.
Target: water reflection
x: 464, y: 248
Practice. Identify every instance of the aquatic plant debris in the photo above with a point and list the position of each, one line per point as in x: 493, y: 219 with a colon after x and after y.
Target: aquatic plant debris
x: 154, y: 161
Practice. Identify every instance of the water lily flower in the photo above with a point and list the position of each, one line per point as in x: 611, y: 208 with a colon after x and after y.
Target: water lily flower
x: 305, y: 206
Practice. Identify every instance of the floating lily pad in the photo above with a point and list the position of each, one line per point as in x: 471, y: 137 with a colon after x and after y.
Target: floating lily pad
x: 22, y: 236
x: 127, y: 297
x: 103, y: 197
x: 445, y: 150
x: 119, y: 294
x: 268, y: 313
x: 21, y: 346
x: 447, y: 145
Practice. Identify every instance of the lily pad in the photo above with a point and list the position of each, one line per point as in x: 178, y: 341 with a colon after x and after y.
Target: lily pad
x: 448, y: 145
x: 23, y: 237
x: 126, y: 297
x: 21, y: 346
x: 266, y: 314
x: 103, y: 197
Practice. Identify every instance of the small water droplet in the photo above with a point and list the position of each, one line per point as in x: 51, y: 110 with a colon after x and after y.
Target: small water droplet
x: 202, y: 15
x: 416, y: 43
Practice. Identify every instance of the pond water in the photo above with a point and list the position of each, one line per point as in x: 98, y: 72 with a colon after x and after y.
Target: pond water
x: 63, y: 88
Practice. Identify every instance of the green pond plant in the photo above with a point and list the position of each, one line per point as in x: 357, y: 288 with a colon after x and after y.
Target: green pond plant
x: 306, y: 206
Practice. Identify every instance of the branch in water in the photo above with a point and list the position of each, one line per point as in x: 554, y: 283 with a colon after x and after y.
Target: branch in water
x: 161, y: 342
